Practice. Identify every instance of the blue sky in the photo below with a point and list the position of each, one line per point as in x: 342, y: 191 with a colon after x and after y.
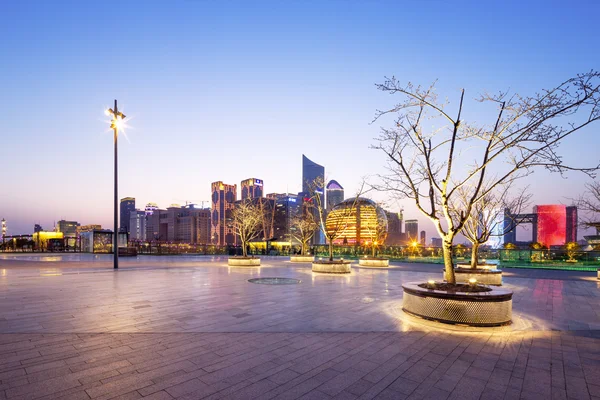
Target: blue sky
x: 232, y: 90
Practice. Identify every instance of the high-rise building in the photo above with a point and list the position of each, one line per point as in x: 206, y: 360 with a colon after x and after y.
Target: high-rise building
x: 312, y: 172
x: 313, y: 178
x: 334, y: 194
x: 411, y: 226
x: 571, y: 224
x: 3, y: 222
x: 68, y: 228
x: 203, y: 226
x: 150, y: 208
x: 126, y: 207
x: 436, y: 242
x: 223, y: 201
x: 137, y: 225
x: 395, y: 236
x: 156, y: 225
x: 286, y: 208
x: 423, y: 238
x: 251, y: 188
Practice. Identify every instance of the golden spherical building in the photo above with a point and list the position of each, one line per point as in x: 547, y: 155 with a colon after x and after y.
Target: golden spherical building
x: 357, y: 221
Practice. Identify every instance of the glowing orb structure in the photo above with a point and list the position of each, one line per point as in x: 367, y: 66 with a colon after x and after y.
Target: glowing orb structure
x: 357, y: 221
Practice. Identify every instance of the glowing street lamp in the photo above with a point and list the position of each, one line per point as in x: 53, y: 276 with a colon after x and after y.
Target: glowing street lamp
x: 115, y: 124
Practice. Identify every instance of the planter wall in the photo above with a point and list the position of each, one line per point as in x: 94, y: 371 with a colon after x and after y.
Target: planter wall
x: 335, y: 267
x: 374, y: 262
x: 493, y: 308
x: 243, y: 262
x: 302, y: 259
x: 486, y: 277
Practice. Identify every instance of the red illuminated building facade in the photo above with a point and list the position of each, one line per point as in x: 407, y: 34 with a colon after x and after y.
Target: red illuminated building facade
x: 556, y: 224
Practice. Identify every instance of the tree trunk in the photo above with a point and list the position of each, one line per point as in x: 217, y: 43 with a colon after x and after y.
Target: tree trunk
x: 373, y: 251
x: 448, y: 262
x: 244, y: 252
x: 475, y: 255
x: 303, y: 249
x: 330, y: 250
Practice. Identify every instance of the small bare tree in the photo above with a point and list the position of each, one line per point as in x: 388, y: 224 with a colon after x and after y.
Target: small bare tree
x: 376, y: 232
x: 487, y: 218
x: 247, y: 221
x: 338, y: 225
x: 589, y: 203
x: 430, y: 166
x: 306, y: 225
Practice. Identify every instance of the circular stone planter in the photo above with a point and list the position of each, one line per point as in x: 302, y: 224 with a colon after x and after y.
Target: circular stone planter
x: 243, y: 262
x: 492, y: 308
x: 486, y: 274
x: 373, y: 262
x: 332, y: 267
x: 302, y: 259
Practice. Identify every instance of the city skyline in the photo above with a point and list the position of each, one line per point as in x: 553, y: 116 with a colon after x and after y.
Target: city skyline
x: 177, y: 74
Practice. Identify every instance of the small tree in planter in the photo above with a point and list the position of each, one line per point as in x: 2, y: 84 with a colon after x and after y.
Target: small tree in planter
x: 305, y: 227
x: 526, y: 134
x: 572, y: 248
x: 488, y: 218
x: 336, y: 229
x: 247, y: 222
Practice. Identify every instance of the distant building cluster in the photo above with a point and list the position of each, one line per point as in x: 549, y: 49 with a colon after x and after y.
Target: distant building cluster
x: 552, y: 225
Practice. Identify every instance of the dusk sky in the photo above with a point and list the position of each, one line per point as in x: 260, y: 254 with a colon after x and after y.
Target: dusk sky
x: 233, y: 90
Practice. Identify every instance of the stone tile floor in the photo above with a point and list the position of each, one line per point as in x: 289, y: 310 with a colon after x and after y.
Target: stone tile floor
x: 192, y: 328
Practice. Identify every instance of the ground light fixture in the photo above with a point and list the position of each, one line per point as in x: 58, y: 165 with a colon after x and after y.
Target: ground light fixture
x: 116, y: 123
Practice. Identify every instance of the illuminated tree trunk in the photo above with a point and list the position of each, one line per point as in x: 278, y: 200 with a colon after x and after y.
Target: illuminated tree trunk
x: 448, y: 262
x: 330, y: 250
x: 475, y: 255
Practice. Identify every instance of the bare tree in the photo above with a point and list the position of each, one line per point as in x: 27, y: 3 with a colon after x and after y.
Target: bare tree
x: 431, y: 165
x: 376, y: 232
x: 488, y: 216
x: 338, y: 225
x: 589, y: 203
x: 306, y: 226
x: 247, y: 221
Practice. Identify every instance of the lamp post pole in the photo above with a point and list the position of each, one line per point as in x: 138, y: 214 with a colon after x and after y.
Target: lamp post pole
x: 116, y: 120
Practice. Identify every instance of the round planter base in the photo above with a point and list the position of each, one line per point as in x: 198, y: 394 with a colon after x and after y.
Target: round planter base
x: 373, y: 262
x: 302, y: 259
x: 493, y: 308
x: 243, y: 262
x: 483, y: 276
x: 335, y: 267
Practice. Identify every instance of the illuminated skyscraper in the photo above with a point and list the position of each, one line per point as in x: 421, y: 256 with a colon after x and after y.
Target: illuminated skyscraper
x: 150, y: 208
x: 311, y: 173
x: 223, y: 201
x: 137, y: 225
x: 411, y: 226
x: 334, y: 193
x: 126, y: 207
x: 423, y: 238
x: 571, y: 224
x: 252, y: 188
x: 286, y: 208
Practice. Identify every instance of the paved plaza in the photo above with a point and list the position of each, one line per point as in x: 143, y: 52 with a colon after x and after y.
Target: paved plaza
x: 193, y: 328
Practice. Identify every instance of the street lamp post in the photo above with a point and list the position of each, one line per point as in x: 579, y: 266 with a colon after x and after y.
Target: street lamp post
x: 115, y: 123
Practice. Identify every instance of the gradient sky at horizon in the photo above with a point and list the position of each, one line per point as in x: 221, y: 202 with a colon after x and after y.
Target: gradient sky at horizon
x: 232, y: 90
